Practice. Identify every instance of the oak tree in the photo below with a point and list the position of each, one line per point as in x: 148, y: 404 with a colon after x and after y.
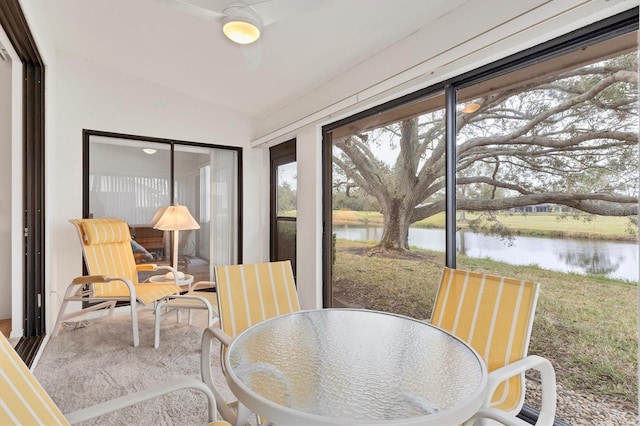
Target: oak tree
x: 567, y: 139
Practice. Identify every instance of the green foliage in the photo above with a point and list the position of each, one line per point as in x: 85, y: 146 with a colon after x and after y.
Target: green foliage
x: 357, y: 200
x: 287, y: 198
x: 489, y: 223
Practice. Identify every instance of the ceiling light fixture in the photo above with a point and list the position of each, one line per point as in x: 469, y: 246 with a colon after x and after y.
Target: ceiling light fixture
x: 471, y: 107
x: 149, y: 151
x: 241, y: 24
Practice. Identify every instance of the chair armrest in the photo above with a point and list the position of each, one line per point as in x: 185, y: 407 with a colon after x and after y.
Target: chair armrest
x: 142, y: 267
x: 144, y: 395
x: 90, y: 279
x: 210, y: 333
x: 547, y: 376
x: 207, y: 373
x: 500, y: 416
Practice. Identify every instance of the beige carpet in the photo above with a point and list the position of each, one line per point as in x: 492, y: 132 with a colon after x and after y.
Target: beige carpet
x: 84, y: 366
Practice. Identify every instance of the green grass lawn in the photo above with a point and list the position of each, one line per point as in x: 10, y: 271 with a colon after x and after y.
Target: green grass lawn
x: 586, y: 326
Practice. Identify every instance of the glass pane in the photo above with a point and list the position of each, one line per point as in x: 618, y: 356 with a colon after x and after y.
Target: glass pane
x: 129, y: 179
x: 286, y: 187
x: 547, y: 191
x: 283, y: 244
x: 286, y: 240
x: 388, y: 209
x: 205, y: 182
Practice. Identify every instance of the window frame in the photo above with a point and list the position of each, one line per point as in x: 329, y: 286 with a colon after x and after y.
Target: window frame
x: 279, y: 155
x: 86, y: 136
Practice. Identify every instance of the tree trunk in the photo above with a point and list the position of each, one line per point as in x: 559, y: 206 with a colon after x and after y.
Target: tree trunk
x: 397, y: 218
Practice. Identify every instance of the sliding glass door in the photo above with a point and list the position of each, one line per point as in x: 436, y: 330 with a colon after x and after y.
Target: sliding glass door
x: 205, y: 182
x: 130, y: 177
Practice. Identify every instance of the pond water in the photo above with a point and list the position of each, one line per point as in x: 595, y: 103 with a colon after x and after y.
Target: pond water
x: 612, y: 259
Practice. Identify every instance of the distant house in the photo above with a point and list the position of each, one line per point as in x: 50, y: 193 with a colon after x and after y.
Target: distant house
x: 541, y: 208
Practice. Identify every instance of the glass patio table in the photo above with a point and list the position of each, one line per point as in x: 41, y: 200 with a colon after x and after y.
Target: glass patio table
x: 351, y: 366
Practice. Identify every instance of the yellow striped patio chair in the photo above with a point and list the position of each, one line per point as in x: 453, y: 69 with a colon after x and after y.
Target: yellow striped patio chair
x: 113, y: 273
x: 247, y: 294
x: 494, y: 315
x: 23, y: 400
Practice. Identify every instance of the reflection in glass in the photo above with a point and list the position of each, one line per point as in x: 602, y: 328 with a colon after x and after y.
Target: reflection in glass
x: 127, y: 182
x: 131, y: 179
x: 205, y: 182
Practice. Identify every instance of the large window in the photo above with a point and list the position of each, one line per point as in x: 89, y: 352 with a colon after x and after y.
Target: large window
x: 130, y: 177
x: 539, y: 155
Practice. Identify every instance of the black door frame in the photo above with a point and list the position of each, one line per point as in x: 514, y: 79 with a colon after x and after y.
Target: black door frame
x: 13, y: 22
x: 279, y: 155
x: 86, y: 138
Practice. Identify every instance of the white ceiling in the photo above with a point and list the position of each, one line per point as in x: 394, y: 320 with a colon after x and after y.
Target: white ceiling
x: 160, y: 42
x: 157, y: 41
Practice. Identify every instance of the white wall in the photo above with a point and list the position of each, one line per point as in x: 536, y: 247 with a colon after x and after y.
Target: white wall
x: 90, y: 96
x: 309, y: 218
x: 256, y: 205
x: 5, y: 186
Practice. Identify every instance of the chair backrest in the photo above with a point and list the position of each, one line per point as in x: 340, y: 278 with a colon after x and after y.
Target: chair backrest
x: 23, y: 401
x: 495, y: 316
x: 106, y: 246
x: 250, y: 293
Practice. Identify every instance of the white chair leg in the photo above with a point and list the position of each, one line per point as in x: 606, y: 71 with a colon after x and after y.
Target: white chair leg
x: 156, y: 336
x: 56, y: 328
x: 134, y: 322
x: 244, y: 415
x: 63, y: 307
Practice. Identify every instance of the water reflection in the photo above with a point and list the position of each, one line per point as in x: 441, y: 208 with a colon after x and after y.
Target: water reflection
x: 595, y: 263
x: 612, y: 259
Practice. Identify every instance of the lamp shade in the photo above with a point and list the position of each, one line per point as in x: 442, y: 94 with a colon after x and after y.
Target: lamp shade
x: 175, y: 218
x: 157, y: 215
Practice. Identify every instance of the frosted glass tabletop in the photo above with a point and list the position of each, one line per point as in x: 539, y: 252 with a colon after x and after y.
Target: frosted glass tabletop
x: 349, y: 366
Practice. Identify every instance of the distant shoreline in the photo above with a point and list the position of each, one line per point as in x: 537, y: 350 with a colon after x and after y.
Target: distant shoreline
x: 544, y: 225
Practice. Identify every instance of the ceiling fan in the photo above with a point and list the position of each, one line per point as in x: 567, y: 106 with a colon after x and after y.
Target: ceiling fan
x: 243, y: 21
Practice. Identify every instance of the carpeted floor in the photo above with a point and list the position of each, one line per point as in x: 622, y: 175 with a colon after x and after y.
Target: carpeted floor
x: 84, y: 366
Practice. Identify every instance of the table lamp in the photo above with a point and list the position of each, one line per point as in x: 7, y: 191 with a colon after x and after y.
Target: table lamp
x: 174, y: 218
